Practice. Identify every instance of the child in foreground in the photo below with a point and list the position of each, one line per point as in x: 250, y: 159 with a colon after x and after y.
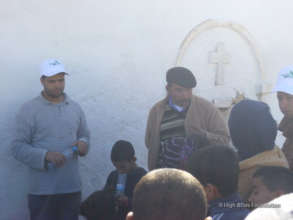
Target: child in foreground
x: 114, y: 201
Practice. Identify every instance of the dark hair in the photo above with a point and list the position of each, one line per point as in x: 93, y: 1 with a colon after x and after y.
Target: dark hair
x: 122, y: 151
x: 169, y: 194
x: 252, y: 128
x: 216, y: 165
x: 276, y: 178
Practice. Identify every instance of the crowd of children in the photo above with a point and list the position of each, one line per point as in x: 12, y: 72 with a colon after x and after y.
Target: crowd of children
x: 233, y: 181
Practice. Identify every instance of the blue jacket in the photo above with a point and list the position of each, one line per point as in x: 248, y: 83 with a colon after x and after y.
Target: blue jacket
x: 228, y: 208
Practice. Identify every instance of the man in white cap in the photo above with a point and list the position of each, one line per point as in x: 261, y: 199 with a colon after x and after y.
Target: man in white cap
x: 48, y: 128
x: 284, y: 89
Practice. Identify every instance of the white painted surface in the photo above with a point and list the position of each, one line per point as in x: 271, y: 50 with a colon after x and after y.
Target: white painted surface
x: 117, y: 53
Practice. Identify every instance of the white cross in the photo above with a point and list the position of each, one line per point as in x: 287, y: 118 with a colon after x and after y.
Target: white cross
x: 219, y: 57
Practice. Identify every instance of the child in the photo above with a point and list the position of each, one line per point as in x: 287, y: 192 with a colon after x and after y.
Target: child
x: 217, y: 168
x: 270, y: 182
x: 120, y: 182
x: 253, y: 132
x: 169, y: 194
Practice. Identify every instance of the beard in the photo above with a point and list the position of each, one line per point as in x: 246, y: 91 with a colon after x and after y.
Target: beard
x: 53, y: 94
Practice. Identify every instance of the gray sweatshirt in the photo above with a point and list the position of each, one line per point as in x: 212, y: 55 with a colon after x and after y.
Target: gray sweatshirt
x: 42, y: 126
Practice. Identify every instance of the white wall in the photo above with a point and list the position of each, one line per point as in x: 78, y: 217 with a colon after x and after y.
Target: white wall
x: 117, y: 53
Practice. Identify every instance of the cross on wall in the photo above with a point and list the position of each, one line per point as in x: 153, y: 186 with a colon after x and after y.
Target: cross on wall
x: 219, y: 57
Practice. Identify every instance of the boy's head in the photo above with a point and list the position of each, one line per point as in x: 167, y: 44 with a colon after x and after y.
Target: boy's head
x: 168, y: 194
x: 217, y: 168
x: 123, y: 156
x: 270, y: 182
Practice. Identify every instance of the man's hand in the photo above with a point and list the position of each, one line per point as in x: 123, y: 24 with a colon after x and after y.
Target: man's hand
x: 199, y: 140
x: 82, y: 147
x: 56, y: 158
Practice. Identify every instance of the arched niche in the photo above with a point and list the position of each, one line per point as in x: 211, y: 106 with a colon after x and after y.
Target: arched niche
x: 231, y: 95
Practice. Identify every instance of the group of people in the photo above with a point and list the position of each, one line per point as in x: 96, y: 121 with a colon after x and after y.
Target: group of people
x: 195, y: 171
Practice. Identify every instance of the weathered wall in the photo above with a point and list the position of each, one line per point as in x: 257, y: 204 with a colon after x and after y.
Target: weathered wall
x: 117, y: 53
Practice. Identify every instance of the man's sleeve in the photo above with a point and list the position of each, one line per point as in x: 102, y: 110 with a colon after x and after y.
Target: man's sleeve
x: 22, y: 148
x: 83, y: 133
x: 148, y: 129
x: 218, y: 131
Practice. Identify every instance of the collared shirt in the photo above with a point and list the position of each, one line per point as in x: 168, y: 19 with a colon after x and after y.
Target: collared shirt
x: 174, y: 106
x: 43, y: 126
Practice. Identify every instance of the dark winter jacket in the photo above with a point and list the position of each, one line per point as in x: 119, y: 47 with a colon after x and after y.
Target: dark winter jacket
x: 132, y: 179
x: 102, y: 204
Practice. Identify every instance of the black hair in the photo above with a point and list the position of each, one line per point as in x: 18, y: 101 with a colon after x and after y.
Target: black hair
x: 169, y: 194
x: 276, y: 178
x: 216, y: 165
x: 122, y: 151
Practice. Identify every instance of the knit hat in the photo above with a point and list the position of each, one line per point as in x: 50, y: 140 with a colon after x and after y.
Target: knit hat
x: 280, y: 208
x: 252, y: 128
x: 181, y: 76
x: 285, y: 80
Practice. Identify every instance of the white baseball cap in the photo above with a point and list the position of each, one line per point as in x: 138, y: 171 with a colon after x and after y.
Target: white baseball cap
x: 285, y: 80
x: 51, y: 67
